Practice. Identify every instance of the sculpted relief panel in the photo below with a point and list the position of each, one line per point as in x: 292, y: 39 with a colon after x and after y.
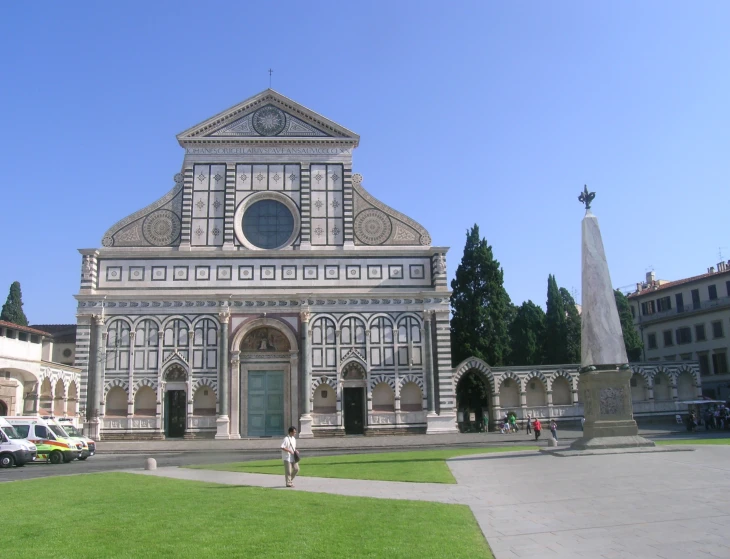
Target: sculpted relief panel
x: 265, y: 339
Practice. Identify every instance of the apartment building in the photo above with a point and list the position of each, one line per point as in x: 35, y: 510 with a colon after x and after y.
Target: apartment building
x: 688, y: 320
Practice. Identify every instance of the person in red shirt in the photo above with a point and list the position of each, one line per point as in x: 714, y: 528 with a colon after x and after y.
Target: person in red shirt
x: 537, y: 426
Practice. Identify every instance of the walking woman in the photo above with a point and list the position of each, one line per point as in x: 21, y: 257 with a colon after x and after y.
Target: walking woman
x: 538, y: 427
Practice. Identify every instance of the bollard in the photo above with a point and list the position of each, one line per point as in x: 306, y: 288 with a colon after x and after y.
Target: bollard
x: 150, y: 464
x: 552, y: 442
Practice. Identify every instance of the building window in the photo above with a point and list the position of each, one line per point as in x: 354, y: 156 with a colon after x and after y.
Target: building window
x: 679, y: 299
x: 712, y: 292
x: 633, y: 382
x: 717, y: 329
x: 700, y: 333
x: 633, y: 310
x: 268, y: 224
x: 670, y: 357
x: 727, y: 287
x: 647, y: 308
x: 684, y: 335
x: 685, y: 356
x: 652, y: 341
x: 664, y: 304
x: 695, y: 298
x: 668, y: 338
x: 719, y: 363
x: 704, y: 360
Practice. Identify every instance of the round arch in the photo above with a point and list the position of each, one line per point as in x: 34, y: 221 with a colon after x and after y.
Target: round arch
x: 470, y: 398
x: 247, y: 327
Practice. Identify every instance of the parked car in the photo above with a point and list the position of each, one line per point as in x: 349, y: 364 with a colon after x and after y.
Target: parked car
x: 14, y: 449
x: 50, y: 446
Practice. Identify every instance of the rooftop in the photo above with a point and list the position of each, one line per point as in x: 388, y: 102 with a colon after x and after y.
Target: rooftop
x: 653, y: 286
x: 20, y: 328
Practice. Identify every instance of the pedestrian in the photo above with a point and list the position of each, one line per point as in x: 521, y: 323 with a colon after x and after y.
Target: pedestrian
x: 290, y: 456
x: 485, y: 418
x: 529, y: 424
x: 582, y: 423
x: 554, y: 430
x: 538, y: 427
x: 513, y: 423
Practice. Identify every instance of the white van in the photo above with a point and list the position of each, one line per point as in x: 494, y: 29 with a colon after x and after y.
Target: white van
x: 14, y: 450
x: 52, y: 446
x: 74, y: 432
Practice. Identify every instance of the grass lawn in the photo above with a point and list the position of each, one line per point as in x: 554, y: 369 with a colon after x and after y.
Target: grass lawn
x: 421, y: 466
x: 132, y: 516
x: 694, y: 441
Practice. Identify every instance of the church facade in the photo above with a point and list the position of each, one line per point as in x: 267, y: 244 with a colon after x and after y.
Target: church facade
x: 267, y: 288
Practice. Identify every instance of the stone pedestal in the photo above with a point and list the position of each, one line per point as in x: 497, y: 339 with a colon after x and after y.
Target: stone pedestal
x: 91, y: 429
x: 441, y: 424
x: 606, y: 396
x: 222, y: 427
x: 305, y: 427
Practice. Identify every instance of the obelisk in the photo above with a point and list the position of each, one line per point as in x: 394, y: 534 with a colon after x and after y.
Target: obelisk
x: 605, y: 374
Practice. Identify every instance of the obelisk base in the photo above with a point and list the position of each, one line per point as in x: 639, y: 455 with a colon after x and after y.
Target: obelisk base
x: 606, y: 396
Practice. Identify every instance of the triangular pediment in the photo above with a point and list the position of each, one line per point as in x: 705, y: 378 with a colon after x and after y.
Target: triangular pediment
x: 269, y: 117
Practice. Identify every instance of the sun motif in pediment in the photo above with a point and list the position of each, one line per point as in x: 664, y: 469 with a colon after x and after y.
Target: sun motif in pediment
x: 269, y: 121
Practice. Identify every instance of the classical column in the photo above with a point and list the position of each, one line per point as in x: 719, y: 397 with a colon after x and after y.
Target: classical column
x: 235, y: 410
x: 305, y: 421
x: 223, y: 421
x: 96, y: 362
x: 428, y: 362
x: 130, y: 376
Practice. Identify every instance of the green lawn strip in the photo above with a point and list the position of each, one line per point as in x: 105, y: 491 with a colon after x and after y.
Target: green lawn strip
x: 419, y: 466
x: 119, y: 515
x: 693, y: 441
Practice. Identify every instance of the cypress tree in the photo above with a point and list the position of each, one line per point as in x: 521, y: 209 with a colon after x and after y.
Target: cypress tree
x: 527, y: 333
x: 13, y: 307
x: 480, y: 305
x: 632, y: 340
x: 572, y: 327
x: 555, y: 326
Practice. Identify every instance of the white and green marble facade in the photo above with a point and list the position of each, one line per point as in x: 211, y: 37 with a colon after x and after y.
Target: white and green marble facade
x: 179, y: 298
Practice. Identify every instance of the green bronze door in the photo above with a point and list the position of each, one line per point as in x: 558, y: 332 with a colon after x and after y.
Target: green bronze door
x: 265, y: 403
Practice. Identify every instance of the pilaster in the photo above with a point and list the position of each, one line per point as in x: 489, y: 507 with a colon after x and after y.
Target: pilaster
x: 223, y: 421
x: 305, y: 421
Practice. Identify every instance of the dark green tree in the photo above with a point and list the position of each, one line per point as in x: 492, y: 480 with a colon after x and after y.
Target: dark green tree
x: 527, y: 333
x: 13, y: 307
x: 556, y: 328
x: 472, y: 393
x: 632, y: 340
x: 572, y: 327
x: 480, y: 305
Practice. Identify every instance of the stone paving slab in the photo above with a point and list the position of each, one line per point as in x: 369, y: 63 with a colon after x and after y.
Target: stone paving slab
x: 533, y: 506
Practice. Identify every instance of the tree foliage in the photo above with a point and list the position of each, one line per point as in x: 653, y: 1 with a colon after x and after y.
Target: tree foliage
x: 527, y: 335
x: 572, y: 327
x: 480, y: 305
x: 632, y: 340
x: 555, y: 325
x: 13, y: 307
x: 472, y: 393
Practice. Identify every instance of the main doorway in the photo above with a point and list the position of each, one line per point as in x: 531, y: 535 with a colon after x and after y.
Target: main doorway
x: 175, y: 413
x: 354, y: 410
x: 265, y: 403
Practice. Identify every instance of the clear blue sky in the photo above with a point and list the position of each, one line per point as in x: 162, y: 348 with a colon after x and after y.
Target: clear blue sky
x: 495, y: 113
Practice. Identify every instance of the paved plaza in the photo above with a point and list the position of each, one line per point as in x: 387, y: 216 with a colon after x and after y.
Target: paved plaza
x: 531, y: 505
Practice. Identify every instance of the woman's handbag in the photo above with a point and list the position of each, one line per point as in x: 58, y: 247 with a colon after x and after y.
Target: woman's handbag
x: 296, y: 456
